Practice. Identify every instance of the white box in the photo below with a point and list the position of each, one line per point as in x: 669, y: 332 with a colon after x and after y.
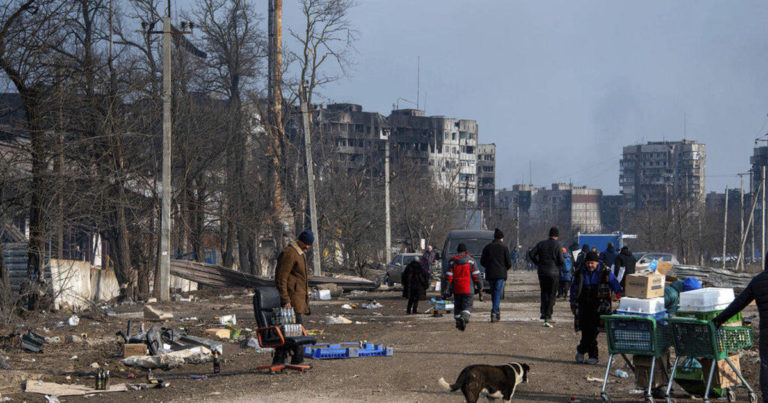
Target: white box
x: 643, y: 306
x: 705, y: 299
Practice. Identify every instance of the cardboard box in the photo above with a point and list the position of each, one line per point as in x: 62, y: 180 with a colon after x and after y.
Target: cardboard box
x: 724, y: 376
x: 642, y: 365
x: 664, y: 267
x: 218, y: 332
x: 131, y: 349
x: 645, y: 285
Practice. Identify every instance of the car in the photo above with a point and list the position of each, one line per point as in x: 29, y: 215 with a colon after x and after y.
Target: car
x: 647, y: 257
x: 475, y: 242
x: 397, y: 265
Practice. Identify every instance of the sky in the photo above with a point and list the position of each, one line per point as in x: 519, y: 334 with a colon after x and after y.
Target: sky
x: 562, y: 86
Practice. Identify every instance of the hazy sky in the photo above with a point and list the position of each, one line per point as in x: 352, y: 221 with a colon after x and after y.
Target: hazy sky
x: 565, y: 84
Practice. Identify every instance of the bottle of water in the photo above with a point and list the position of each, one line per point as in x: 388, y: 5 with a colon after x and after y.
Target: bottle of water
x: 621, y: 374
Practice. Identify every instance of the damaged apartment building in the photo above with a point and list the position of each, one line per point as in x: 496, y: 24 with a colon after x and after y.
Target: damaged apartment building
x: 448, y: 147
x: 576, y: 208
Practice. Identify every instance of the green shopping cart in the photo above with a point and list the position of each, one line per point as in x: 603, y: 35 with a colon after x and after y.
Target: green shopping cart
x: 637, y: 335
x: 701, y: 339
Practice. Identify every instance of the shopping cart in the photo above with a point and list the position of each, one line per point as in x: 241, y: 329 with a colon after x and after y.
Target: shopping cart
x: 637, y: 335
x: 700, y: 339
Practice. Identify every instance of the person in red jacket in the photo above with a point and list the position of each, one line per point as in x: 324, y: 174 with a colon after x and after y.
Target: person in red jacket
x: 463, y: 278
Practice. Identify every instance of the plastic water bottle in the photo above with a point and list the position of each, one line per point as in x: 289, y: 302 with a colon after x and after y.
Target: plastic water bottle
x: 621, y: 374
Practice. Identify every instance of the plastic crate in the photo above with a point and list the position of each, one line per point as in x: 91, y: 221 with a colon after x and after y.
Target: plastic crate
x: 641, y: 306
x: 632, y: 334
x: 705, y: 299
x: 708, y: 315
x: 347, y: 350
x: 698, y: 338
x: 689, y: 375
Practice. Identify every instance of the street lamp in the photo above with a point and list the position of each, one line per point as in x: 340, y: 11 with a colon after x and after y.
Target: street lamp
x: 384, y: 134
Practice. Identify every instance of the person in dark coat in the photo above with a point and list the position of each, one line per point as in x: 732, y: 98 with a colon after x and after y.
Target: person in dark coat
x: 581, y: 257
x: 566, y: 275
x: 609, y: 256
x: 626, y: 260
x: 418, y: 282
x: 590, y: 298
x: 547, y: 255
x: 495, y: 259
x: 757, y: 290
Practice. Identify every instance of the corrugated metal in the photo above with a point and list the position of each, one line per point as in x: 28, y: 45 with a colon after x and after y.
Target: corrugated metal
x: 15, y: 256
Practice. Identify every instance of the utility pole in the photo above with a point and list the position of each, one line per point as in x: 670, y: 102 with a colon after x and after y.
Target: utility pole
x: 762, y: 215
x: 741, y: 220
x: 753, y: 193
x: 387, y: 223
x: 164, y: 272
x: 517, y: 226
x: 725, y: 224
x: 310, y: 179
x: 275, y: 95
x: 740, y: 261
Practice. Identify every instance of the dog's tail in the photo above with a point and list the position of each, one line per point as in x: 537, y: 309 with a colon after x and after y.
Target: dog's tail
x: 447, y: 386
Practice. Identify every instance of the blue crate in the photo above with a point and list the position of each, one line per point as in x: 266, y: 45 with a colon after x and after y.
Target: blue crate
x: 347, y: 350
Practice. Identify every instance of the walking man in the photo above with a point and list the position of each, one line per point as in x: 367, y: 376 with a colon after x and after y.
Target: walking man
x: 624, y: 265
x: 495, y: 259
x: 566, y: 274
x: 292, y: 284
x: 547, y: 255
x: 428, y: 259
x: 463, y: 279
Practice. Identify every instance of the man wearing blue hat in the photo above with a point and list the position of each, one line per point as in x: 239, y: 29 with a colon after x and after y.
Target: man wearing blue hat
x: 292, y: 283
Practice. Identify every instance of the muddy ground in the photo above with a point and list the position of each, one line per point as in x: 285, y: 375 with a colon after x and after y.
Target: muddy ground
x: 425, y: 349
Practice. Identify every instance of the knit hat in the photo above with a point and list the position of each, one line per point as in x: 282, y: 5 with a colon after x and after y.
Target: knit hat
x: 461, y: 248
x: 553, y: 232
x: 497, y: 234
x: 592, y: 256
x: 691, y: 283
x: 307, y: 237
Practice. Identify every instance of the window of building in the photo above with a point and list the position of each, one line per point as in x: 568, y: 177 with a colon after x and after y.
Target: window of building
x: 470, y: 150
x: 453, y: 136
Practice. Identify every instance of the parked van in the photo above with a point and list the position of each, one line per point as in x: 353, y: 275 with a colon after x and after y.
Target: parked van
x: 475, y: 241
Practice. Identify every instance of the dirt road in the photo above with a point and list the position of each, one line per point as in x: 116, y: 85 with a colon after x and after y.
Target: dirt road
x: 426, y: 348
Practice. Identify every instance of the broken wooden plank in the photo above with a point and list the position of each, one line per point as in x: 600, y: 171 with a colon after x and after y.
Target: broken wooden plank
x: 58, y: 389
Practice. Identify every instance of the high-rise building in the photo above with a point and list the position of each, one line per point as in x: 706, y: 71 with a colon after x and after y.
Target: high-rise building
x: 486, y: 175
x: 759, y: 159
x: 655, y: 173
x: 448, y: 147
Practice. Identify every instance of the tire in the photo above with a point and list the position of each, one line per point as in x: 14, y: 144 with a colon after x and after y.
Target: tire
x: 389, y: 282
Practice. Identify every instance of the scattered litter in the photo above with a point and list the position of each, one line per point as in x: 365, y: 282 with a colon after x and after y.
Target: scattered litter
x: 45, y: 330
x: 95, y: 365
x: 53, y: 340
x: 202, y: 341
x: 218, y: 332
x: 347, y: 350
x: 357, y: 322
x: 593, y: 379
x: 621, y: 374
x: 321, y: 295
x: 152, y: 313
x: 73, y: 320
x: 152, y: 300
x: 74, y: 357
x: 27, y: 360
x: 195, y: 355
x: 337, y: 320
x: 74, y: 339
x: 57, y: 389
x: 226, y: 296
x: 228, y: 319
x: 254, y: 343
x: 346, y: 306
x: 4, y: 363
x: 52, y: 399
x: 247, y: 329
x: 637, y: 391
x: 131, y: 349
x: 355, y: 376
x: 214, y: 393
x: 357, y: 293
x: 126, y: 315
x: 32, y: 342
x: 373, y: 305
x: 315, y: 332
x: 191, y: 318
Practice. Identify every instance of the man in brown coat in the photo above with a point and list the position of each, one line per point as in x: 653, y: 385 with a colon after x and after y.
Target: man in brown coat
x: 291, y: 280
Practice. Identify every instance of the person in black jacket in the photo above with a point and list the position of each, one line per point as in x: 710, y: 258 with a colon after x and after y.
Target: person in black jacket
x: 548, y: 256
x: 757, y: 290
x: 609, y: 256
x: 418, y: 281
x: 495, y: 259
x: 581, y: 257
x: 625, y: 260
